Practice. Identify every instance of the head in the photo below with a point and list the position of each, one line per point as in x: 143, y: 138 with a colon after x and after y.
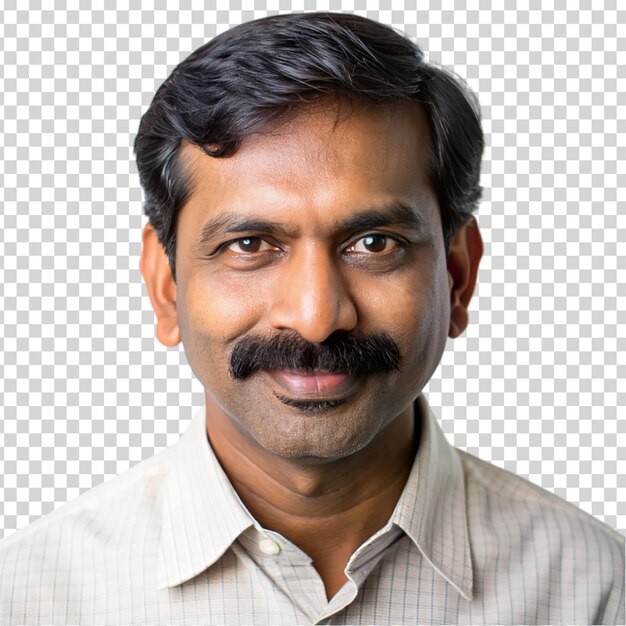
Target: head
x: 310, y: 181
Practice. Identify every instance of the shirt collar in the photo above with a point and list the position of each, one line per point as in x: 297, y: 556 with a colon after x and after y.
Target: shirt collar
x: 203, y: 516
x: 432, y: 508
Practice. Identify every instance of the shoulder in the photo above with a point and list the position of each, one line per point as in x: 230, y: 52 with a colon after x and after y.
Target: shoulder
x: 114, y: 502
x: 515, y: 499
x: 83, y: 542
x: 567, y: 553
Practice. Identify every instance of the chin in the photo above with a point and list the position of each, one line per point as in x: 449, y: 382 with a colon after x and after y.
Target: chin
x: 319, y: 433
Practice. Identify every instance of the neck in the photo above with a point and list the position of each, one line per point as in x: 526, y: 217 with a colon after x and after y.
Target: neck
x: 328, y: 509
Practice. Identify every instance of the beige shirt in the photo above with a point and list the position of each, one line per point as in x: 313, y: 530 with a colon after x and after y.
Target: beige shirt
x: 169, y: 542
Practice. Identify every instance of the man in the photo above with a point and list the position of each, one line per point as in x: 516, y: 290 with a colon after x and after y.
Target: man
x: 309, y: 184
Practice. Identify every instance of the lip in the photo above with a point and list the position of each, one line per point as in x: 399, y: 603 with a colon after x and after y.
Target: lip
x: 318, y: 385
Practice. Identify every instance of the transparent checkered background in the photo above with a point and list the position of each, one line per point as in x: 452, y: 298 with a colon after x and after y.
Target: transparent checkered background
x: 535, y: 385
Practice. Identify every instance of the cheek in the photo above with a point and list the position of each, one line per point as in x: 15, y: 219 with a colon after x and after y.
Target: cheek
x: 418, y: 314
x: 223, y: 309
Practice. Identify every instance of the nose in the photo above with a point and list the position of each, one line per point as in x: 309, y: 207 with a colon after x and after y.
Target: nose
x: 311, y: 297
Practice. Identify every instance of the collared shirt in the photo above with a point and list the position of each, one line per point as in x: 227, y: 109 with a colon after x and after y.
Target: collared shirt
x: 169, y: 541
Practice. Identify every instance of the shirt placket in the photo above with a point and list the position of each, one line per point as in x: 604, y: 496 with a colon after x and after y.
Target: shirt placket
x: 292, y: 571
x: 288, y: 568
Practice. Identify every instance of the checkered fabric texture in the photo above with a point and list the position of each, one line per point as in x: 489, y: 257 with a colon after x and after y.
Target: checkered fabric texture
x: 536, y: 383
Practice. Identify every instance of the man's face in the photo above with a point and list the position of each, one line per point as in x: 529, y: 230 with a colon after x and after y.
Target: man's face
x: 318, y: 229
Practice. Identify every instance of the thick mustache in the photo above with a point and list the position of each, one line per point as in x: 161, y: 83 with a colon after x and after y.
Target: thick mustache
x: 341, y: 352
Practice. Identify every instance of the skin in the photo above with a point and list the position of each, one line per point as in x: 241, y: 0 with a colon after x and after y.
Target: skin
x: 330, y: 479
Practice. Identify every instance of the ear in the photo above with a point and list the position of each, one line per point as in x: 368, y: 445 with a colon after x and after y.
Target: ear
x: 465, y: 252
x: 155, y: 269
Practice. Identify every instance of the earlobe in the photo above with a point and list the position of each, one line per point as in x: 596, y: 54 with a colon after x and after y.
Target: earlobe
x: 465, y: 252
x: 155, y: 269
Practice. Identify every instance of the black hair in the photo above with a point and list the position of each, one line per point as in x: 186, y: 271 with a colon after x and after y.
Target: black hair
x: 258, y: 72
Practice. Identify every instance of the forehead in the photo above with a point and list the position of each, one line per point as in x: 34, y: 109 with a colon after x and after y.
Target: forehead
x: 323, y: 162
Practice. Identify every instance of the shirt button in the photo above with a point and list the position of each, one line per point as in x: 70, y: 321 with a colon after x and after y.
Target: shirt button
x: 269, y: 547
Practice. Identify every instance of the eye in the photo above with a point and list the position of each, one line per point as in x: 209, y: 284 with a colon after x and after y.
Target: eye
x: 248, y: 245
x: 373, y: 244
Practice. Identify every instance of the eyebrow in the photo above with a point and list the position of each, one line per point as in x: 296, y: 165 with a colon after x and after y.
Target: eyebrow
x: 233, y: 223
x: 397, y: 213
